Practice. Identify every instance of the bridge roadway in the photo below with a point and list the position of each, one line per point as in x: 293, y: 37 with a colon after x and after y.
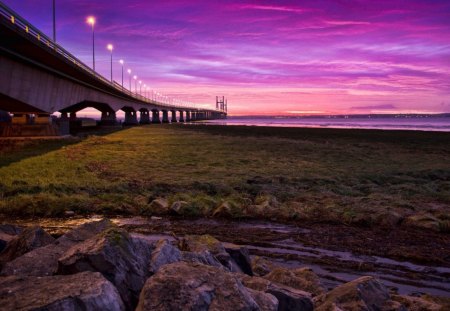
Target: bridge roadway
x: 39, y: 77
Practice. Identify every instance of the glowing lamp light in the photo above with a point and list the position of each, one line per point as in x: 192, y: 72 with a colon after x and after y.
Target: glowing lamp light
x: 135, y: 77
x: 121, y: 61
x: 110, y: 47
x: 129, y: 70
x: 91, y: 20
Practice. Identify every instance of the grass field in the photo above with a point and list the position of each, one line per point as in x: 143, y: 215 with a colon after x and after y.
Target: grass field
x: 348, y: 176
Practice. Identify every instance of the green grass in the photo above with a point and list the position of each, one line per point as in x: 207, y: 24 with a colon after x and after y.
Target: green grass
x: 350, y: 176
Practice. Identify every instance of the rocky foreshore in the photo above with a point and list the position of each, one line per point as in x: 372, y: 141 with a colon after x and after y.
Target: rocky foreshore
x: 100, y: 266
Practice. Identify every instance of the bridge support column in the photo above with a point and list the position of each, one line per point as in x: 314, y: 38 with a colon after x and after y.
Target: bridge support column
x: 145, y: 117
x: 188, y: 116
x: 165, y: 116
x: 193, y: 116
x: 108, y: 118
x: 73, y: 116
x: 130, y: 117
x: 174, y: 116
x: 155, y: 117
x: 181, y: 116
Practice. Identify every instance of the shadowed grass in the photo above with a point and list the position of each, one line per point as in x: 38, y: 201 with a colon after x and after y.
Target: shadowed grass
x: 350, y: 176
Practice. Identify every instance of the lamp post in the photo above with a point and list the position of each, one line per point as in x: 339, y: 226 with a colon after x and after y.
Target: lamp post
x: 54, y: 22
x: 121, y: 62
x: 129, y: 74
x: 140, y: 88
x: 91, y: 21
x: 110, y: 48
x: 135, y: 84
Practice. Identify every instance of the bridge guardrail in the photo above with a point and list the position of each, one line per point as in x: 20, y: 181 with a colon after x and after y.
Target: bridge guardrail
x: 25, y: 26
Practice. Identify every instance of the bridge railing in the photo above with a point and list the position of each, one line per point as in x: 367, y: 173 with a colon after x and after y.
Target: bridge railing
x: 45, y: 41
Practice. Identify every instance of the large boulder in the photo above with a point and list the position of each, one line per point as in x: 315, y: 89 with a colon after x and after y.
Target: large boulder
x: 191, y: 286
x: 159, y: 206
x: 363, y: 294
x: 123, y: 260
x: 289, y: 299
x: 302, y: 278
x: 204, y: 257
x: 163, y: 254
x: 43, y: 261
x: 30, y: 238
x: 82, y: 291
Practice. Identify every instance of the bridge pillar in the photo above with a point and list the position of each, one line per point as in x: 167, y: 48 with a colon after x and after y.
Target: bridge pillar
x: 145, y: 117
x: 155, y: 117
x: 73, y: 116
x: 108, y: 118
x: 188, y: 116
x: 181, y: 116
x: 130, y: 117
x: 165, y: 116
x: 193, y: 115
x: 174, y: 116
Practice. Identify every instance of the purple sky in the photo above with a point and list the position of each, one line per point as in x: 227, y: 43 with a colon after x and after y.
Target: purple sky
x: 269, y: 57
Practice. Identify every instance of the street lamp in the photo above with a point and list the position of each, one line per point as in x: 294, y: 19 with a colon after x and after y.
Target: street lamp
x: 121, y: 62
x: 54, y: 22
x: 129, y: 74
x: 140, y: 88
x: 110, y: 48
x: 135, y: 84
x: 91, y: 21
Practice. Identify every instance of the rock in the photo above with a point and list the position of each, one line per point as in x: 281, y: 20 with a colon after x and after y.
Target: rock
x: 389, y: 219
x: 423, y: 221
x: 30, y: 238
x: 156, y: 218
x: 83, y: 291
x: 10, y: 229
x: 159, y: 206
x: 363, y: 294
x: 261, y: 266
x: 289, y: 299
x: 265, y: 301
x: 7, y: 233
x: 43, y: 261
x: 163, y: 254
x: 202, y: 243
x: 178, y: 207
x: 224, y: 210
x: 204, y: 257
x: 241, y: 257
x: 120, y: 258
x: 302, y: 278
x: 190, y: 286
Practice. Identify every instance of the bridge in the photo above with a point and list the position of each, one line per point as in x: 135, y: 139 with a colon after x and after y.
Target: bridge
x: 39, y: 77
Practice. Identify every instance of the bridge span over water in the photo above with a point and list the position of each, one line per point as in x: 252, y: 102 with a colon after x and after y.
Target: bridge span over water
x: 39, y: 77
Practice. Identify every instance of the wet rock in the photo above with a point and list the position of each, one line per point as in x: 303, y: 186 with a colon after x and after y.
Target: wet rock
x: 83, y: 291
x: 289, y: 299
x: 202, y: 243
x: 190, y: 286
x: 302, y: 278
x: 122, y: 259
x: 178, y: 207
x: 241, y: 257
x: 265, y: 301
x: 30, y: 238
x: 204, y: 257
x: 423, y: 221
x: 163, y: 254
x: 159, y: 206
x: 43, y: 261
x: 363, y: 294
x: 69, y: 213
x: 7, y: 233
x: 261, y: 266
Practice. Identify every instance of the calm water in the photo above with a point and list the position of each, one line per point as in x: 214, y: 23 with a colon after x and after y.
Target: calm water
x: 421, y: 124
